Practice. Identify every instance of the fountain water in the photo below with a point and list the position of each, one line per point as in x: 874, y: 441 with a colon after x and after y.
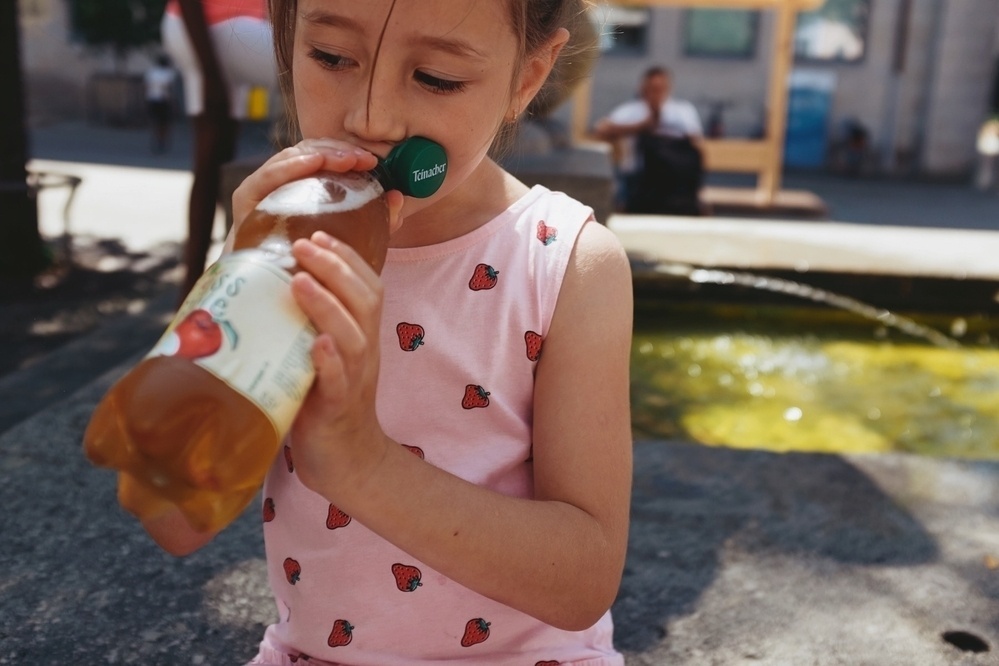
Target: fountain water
x: 805, y: 378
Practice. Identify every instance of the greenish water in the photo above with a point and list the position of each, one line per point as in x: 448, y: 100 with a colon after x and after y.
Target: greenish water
x: 786, y: 379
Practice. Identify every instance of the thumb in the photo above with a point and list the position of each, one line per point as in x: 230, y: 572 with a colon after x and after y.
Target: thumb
x: 395, y: 201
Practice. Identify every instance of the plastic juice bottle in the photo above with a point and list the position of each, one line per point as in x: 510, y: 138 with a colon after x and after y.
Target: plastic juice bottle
x: 197, y: 423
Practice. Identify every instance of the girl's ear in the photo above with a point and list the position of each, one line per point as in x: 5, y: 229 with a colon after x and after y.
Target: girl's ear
x: 535, y: 71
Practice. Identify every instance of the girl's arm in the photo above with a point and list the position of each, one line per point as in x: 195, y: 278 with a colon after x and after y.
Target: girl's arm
x: 559, y: 556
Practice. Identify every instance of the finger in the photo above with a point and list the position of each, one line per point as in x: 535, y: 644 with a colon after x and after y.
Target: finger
x: 395, y: 201
x: 336, y: 265
x: 328, y: 315
x: 341, y: 270
x: 360, y: 297
x: 303, y: 159
x: 331, y: 372
x: 280, y: 169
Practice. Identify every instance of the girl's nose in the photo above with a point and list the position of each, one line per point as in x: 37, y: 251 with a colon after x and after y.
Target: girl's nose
x: 376, y: 115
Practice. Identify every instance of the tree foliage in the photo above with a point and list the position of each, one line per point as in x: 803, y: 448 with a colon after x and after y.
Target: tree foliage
x: 121, y: 25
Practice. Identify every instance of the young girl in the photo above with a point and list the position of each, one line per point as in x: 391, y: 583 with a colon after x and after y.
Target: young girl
x: 456, y: 487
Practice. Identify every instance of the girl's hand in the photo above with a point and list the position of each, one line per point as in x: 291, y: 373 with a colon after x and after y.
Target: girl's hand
x: 336, y: 439
x: 341, y: 295
x: 303, y: 159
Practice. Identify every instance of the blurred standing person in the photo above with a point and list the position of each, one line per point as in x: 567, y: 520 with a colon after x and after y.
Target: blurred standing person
x: 159, y: 82
x: 653, y: 126
x: 223, y: 48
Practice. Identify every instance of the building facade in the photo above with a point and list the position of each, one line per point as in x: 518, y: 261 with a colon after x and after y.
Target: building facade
x: 916, y: 74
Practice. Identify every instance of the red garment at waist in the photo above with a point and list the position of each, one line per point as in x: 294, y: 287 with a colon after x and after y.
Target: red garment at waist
x: 217, y: 11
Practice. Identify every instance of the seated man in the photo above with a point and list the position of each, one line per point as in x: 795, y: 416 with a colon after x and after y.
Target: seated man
x: 659, y: 162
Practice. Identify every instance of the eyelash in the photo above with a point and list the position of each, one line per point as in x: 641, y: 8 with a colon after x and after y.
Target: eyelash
x: 434, y: 84
x: 329, y: 61
x: 437, y: 85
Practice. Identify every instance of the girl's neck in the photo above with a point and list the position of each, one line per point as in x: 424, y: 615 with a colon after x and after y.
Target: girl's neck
x: 487, y: 192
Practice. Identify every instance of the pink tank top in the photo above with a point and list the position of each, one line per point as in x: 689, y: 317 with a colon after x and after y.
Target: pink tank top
x: 462, y: 329
x: 217, y: 11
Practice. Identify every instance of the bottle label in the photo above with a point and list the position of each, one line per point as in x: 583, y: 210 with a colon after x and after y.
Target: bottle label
x: 241, y: 323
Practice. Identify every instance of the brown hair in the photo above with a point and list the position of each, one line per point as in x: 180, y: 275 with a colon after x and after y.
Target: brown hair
x: 533, y: 22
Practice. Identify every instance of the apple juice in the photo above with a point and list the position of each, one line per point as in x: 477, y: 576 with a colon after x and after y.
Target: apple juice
x: 197, y: 423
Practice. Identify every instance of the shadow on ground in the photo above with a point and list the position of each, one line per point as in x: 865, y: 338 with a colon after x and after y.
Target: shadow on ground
x: 690, y: 503
x: 92, y: 284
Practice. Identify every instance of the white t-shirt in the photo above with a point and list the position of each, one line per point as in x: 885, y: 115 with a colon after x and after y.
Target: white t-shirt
x: 677, y: 118
x: 159, y: 81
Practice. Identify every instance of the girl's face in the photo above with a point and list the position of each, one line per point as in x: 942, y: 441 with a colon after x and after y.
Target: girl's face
x: 443, y: 69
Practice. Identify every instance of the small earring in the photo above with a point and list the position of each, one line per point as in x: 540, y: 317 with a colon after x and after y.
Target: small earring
x: 516, y: 116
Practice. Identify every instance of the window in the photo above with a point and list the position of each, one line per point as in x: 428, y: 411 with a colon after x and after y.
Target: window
x: 622, y: 30
x: 835, y: 32
x: 720, y: 33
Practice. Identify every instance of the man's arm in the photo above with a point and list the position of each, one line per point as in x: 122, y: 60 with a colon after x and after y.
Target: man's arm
x: 626, y: 121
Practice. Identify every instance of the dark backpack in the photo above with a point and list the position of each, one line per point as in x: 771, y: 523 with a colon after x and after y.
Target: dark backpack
x: 670, y: 180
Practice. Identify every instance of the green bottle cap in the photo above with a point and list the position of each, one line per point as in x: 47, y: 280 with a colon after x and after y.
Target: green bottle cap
x: 416, y: 167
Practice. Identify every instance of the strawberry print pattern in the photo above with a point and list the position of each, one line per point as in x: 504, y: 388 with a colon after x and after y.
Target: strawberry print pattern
x: 410, y: 336
x: 336, y: 518
x: 547, y: 235
x: 478, y: 337
x: 476, y: 631
x: 415, y: 450
x: 407, y: 577
x: 475, y: 396
x: 483, y: 277
x: 533, y: 342
x: 292, y: 570
x: 342, y: 634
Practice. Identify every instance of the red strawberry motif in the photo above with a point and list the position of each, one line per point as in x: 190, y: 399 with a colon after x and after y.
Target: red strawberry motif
x: 416, y: 451
x: 475, y: 396
x: 341, y: 635
x: 534, y: 342
x: 550, y: 662
x: 546, y: 234
x: 476, y: 631
x: 407, y: 577
x: 287, y: 458
x: 483, y: 277
x: 336, y: 518
x: 410, y: 336
x: 292, y: 570
x: 268, y: 510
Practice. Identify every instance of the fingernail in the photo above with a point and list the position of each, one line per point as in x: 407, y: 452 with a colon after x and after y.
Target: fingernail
x: 306, y: 248
x: 323, y: 238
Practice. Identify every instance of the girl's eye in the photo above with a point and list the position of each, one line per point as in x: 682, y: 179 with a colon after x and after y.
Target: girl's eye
x: 329, y: 60
x: 438, y: 85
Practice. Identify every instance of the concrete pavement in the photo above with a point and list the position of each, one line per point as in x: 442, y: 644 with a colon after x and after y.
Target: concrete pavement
x: 735, y: 557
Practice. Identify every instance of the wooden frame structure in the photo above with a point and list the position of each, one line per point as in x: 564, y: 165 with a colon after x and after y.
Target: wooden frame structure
x: 763, y: 157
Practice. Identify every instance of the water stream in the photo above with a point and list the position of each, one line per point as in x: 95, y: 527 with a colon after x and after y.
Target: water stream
x: 808, y: 292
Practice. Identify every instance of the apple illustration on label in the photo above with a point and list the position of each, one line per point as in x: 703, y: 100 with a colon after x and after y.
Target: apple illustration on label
x: 196, y: 336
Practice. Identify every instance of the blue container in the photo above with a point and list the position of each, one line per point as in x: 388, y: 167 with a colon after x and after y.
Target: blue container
x: 808, y: 110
